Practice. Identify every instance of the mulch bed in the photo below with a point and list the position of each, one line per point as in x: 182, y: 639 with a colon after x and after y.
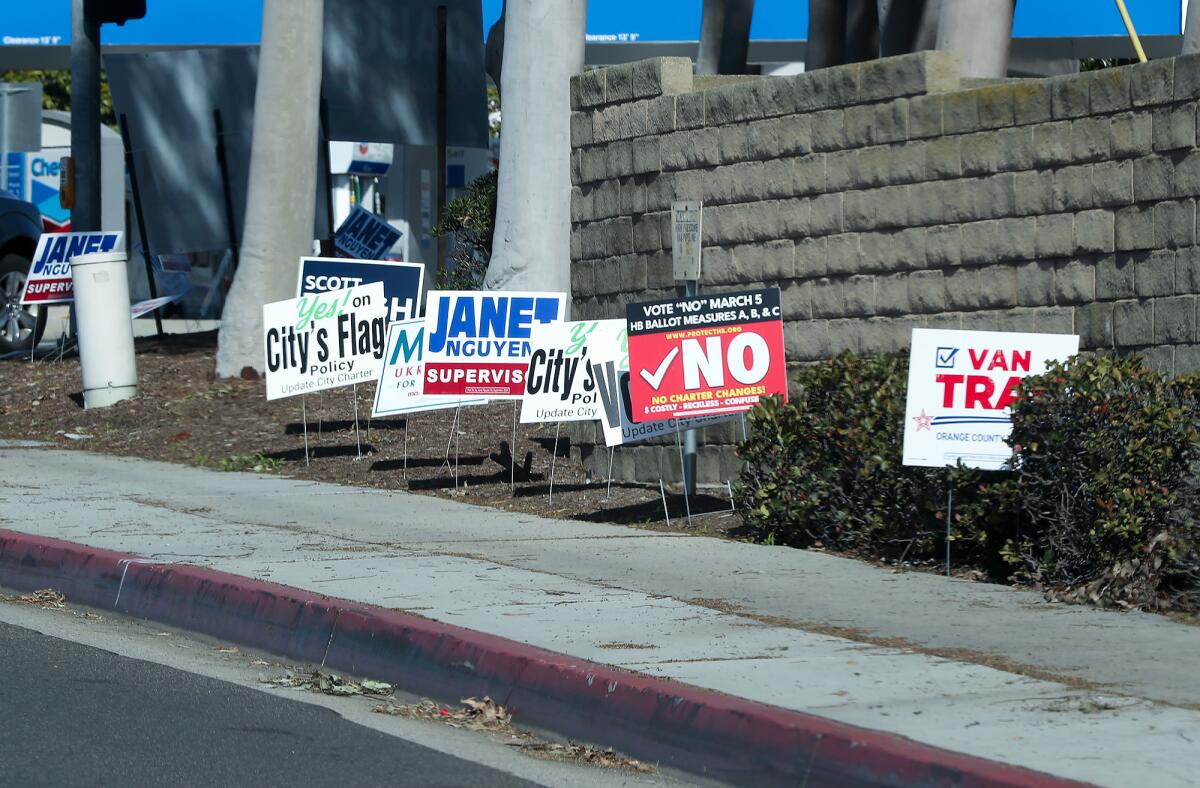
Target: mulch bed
x: 184, y: 414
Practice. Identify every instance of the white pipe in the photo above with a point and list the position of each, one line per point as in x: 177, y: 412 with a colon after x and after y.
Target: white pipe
x: 105, y: 329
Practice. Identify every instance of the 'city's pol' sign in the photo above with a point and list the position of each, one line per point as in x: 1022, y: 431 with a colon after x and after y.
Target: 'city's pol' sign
x: 960, y: 386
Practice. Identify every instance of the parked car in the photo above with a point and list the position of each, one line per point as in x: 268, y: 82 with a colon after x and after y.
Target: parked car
x: 21, y: 327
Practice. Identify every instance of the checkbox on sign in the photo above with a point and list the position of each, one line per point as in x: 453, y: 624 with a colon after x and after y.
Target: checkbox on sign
x: 945, y: 357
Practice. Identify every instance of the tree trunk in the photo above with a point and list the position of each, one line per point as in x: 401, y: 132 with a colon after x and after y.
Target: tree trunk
x: 910, y: 25
x: 531, y: 248
x: 724, y: 36
x: 283, y: 178
x: 862, y: 31
x: 493, y: 53
x: 826, y: 34
x: 979, y: 32
x: 1191, y: 27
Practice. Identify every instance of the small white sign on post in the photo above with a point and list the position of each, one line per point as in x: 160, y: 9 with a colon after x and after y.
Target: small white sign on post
x: 685, y: 239
x: 960, y: 386
x: 324, y: 340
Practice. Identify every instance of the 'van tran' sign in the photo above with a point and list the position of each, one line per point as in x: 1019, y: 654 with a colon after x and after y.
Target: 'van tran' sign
x: 401, y: 281
x: 478, y: 343
x: 403, y: 376
x: 49, y: 279
x: 560, y: 384
x: 704, y: 355
x: 960, y: 387
x: 364, y: 236
x: 608, y: 355
x: 324, y: 340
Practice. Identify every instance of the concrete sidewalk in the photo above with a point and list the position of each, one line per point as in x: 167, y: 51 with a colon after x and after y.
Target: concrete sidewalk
x: 627, y: 598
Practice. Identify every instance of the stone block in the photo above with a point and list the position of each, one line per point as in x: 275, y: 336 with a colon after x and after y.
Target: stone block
x: 842, y: 254
x: 633, y: 196
x: 1133, y: 323
x: 858, y: 293
x: 1186, y: 180
x: 925, y: 206
x: 633, y: 272
x: 829, y: 130
x: 587, y: 89
x: 958, y: 200
x: 1152, y: 82
x: 1034, y: 193
x: 995, y: 197
x: 904, y: 163
x: 702, y: 148
x: 1019, y: 319
x: 593, y: 164
x: 1187, y: 271
x: 660, y: 115
x: 860, y: 125
x: 717, y: 266
x: 1153, y: 178
x: 891, y: 121
x: 645, y: 155
x: 618, y: 236
x: 891, y: 295
x: 1094, y: 324
x: 960, y: 112
x: 1054, y: 320
x: 1109, y: 89
x: 1016, y: 238
x: 1035, y: 283
x: 1130, y: 134
x: 839, y: 86
x: 771, y: 261
x: 806, y: 340
x: 1074, y: 282
x: 634, y: 120
x: 1016, y: 149
x: 1115, y: 276
x: 1090, y: 139
x: 980, y: 153
x: 1154, y: 273
x: 845, y: 336
x: 619, y: 159
x: 581, y: 204
x: 1031, y: 102
x: 662, y: 76
x: 576, y: 244
x: 1175, y: 320
x: 733, y: 142
x: 893, y: 250
x: 659, y: 273
x: 733, y: 103
x: 925, y: 116
x: 1187, y: 360
x: 943, y: 246
x: 618, y: 83
x: 943, y: 158
x: 592, y: 241
x: 1073, y: 189
x: 608, y: 276
x: 1175, y: 223
x: 581, y: 129
x: 872, y: 166
x: 583, y: 282
x: 995, y: 106
x: 763, y: 139
x: 1069, y: 96
x: 1055, y: 235
x: 908, y: 75
x: 826, y: 297
x: 606, y: 199
x: 796, y: 300
x: 1174, y: 128
x: 777, y: 179
x: 826, y: 214
x: 1187, y: 77
x: 795, y: 135
x: 876, y: 208
x: 1161, y: 359
x: 1135, y: 227
x: 689, y: 111
x: 962, y: 288
x: 811, y: 260
x: 809, y: 174
x: 646, y: 237
x: 997, y: 286
x: 746, y: 181
x: 980, y: 242
x: 1095, y: 231
x: 1112, y: 183
x: 1051, y: 143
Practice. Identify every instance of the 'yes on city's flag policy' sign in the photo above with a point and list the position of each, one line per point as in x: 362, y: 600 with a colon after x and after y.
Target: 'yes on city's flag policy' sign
x: 49, y: 279
x: 560, y: 384
x: 477, y: 343
x: 365, y: 236
x: 324, y: 340
x: 403, y: 375
x: 608, y: 355
x: 960, y: 386
x: 401, y: 281
x: 704, y: 355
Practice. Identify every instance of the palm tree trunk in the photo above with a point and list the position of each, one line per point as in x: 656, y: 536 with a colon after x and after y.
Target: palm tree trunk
x: 724, y: 36
x: 531, y: 249
x: 826, y: 34
x: 283, y: 177
x: 1191, y: 27
x: 979, y: 32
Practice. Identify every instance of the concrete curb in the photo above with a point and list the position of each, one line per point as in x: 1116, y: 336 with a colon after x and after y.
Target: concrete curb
x: 651, y: 718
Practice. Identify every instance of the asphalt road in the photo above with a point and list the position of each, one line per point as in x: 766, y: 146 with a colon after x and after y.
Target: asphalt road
x: 75, y: 715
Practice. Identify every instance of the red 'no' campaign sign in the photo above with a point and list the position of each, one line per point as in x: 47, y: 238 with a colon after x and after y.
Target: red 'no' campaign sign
x: 709, y: 354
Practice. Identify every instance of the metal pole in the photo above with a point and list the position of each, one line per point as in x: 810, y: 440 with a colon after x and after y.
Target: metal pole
x: 688, y: 457
x: 357, y: 434
x: 949, y: 519
x: 304, y: 417
x: 327, y: 247
x: 441, y: 135
x: 512, y: 453
x: 226, y: 189
x: 553, y: 457
x: 663, y: 492
x: 85, y: 117
x: 404, y: 471
x: 127, y: 141
x: 687, y: 504
x: 608, y: 491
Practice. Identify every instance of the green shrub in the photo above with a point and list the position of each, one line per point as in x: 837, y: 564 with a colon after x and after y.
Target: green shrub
x: 1106, y: 454
x: 826, y: 470
x: 468, y: 222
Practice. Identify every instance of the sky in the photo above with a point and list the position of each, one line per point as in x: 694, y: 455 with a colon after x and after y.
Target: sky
x: 239, y: 21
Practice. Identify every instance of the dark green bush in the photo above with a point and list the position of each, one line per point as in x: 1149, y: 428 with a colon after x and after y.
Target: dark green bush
x: 1106, y: 456
x: 825, y: 470
x: 469, y: 222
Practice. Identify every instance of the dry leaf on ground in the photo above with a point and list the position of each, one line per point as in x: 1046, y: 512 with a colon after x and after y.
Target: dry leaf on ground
x: 46, y: 599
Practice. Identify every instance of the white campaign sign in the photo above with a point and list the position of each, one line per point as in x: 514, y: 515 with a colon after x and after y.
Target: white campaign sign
x: 324, y: 340
x: 608, y: 354
x: 960, y: 386
x: 560, y: 384
x: 403, y: 374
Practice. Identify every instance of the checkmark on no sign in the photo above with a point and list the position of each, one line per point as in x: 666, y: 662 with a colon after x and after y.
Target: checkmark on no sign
x: 655, y: 380
x: 945, y: 357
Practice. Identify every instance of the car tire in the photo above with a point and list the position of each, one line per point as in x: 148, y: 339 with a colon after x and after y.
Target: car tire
x: 21, y: 327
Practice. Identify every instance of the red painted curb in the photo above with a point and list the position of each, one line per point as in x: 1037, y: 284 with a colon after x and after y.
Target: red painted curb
x: 651, y: 718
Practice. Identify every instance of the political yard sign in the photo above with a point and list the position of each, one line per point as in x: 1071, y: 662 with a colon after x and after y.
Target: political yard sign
x: 49, y: 279
x: 364, y: 236
x: 401, y: 281
x: 705, y: 355
x: 403, y: 374
x: 559, y: 384
x: 608, y: 356
x: 324, y: 340
x: 960, y: 386
x: 477, y: 344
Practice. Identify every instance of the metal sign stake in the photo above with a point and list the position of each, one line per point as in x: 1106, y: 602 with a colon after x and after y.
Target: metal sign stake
x: 687, y: 504
x: 553, y: 457
x: 304, y: 418
x: 404, y: 470
x: 512, y: 452
x: 449, y: 440
x: 949, y: 518
x: 663, y: 492
x: 608, y: 491
x: 357, y: 434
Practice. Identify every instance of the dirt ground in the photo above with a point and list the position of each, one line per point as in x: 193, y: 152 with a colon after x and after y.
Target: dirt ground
x: 184, y: 414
